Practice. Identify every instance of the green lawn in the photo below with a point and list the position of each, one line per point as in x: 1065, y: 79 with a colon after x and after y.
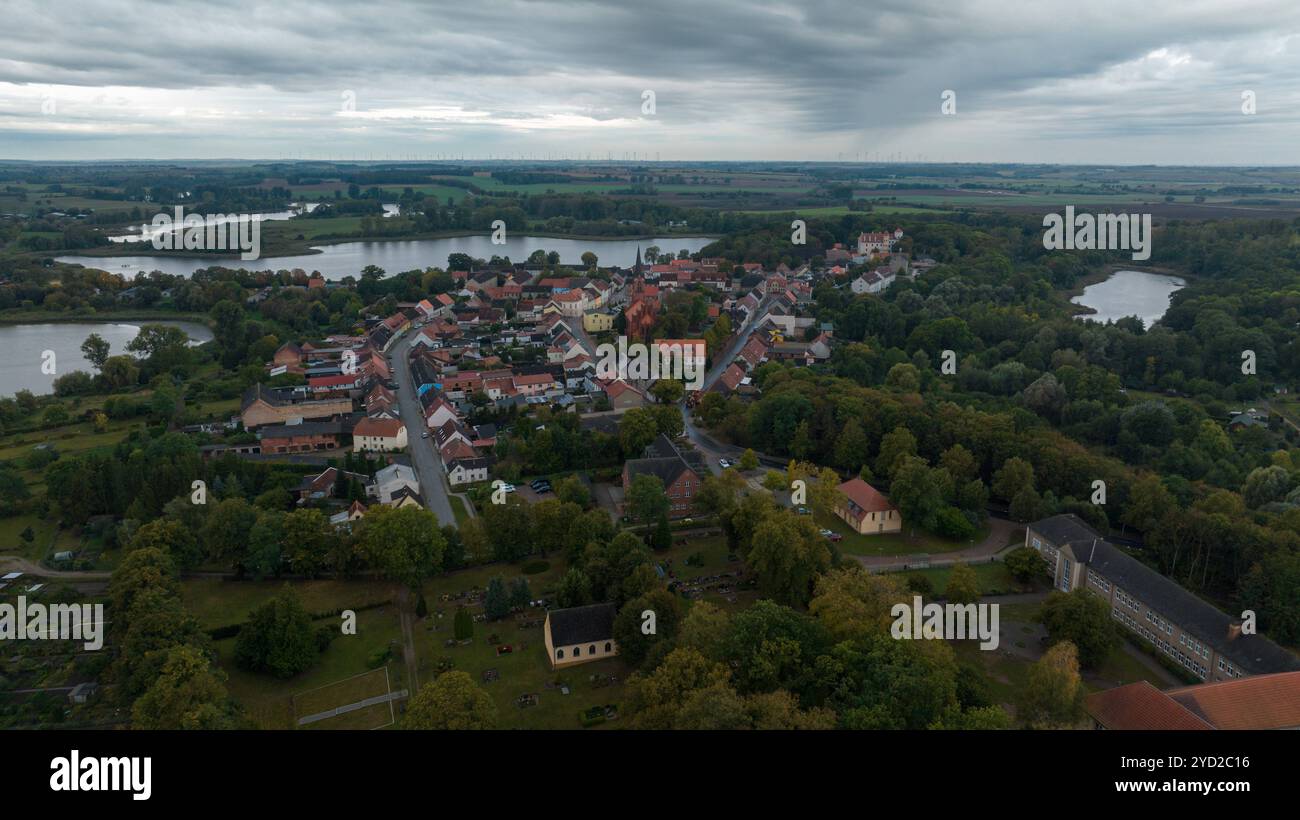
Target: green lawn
x: 458, y: 509
x: 842, y: 210
x: 994, y: 579
x: 523, y: 670
x: 267, y: 701
x: 891, y: 543
x: 221, y: 603
x: 69, y: 439
x: 11, y: 542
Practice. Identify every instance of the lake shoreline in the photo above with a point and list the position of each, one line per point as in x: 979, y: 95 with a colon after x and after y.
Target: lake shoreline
x: 56, y: 341
x: 1079, y: 311
x: 125, y: 317
x: 312, y: 247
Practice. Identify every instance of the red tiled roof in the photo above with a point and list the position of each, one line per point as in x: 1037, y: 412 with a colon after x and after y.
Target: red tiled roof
x: 385, y: 428
x: 732, y: 376
x: 865, y: 496
x: 1141, y: 706
x: 1258, y: 702
x: 332, y: 381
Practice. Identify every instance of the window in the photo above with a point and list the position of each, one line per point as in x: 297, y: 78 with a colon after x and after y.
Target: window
x: 591, y: 650
x: 559, y: 654
x: 577, y: 650
x: 609, y: 647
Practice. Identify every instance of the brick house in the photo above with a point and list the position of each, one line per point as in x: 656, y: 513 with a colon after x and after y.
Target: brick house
x: 263, y: 405
x: 681, y: 477
x: 307, y: 437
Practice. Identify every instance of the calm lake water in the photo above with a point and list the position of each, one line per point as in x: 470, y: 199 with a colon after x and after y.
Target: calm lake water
x: 151, y: 233
x: 1129, y: 293
x: 24, y: 346
x: 348, y: 258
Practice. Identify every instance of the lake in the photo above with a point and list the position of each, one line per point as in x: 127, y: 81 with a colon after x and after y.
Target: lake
x: 24, y: 346
x: 150, y: 233
x: 348, y: 258
x: 1129, y: 293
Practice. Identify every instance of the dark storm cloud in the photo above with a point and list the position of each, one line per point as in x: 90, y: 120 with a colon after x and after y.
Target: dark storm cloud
x: 785, y: 80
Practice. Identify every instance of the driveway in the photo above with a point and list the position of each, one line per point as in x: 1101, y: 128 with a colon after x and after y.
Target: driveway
x: 425, y: 460
x: 999, y: 537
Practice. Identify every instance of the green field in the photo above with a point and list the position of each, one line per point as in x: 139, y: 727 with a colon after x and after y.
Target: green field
x: 993, y: 579
x: 892, y: 543
x: 268, y: 701
x: 216, y: 602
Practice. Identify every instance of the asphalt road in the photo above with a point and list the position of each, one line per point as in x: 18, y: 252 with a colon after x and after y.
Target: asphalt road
x: 428, y: 465
x: 711, y: 447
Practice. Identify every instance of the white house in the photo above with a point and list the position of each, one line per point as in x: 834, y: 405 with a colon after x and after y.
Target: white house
x: 439, y: 413
x: 468, y: 470
x: 391, y: 479
x: 380, y: 435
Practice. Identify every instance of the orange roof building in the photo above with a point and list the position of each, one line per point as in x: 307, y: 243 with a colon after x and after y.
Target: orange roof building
x: 866, y: 509
x: 1255, y: 702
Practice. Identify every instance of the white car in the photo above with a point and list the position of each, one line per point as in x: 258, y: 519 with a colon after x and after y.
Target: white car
x: 425, y: 434
x: 724, y: 463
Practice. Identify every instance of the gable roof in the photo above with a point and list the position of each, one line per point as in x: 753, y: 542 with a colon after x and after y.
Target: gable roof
x: 865, y: 496
x: 581, y: 624
x: 385, y: 428
x: 1141, y: 706
x: 665, y: 461
x: 1253, y: 653
x: 1258, y: 702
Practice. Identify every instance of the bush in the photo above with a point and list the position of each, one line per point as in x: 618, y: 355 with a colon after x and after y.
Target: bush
x: 953, y: 523
x: 463, y: 625
x: 278, y: 638
x: 1025, y: 564
x: 920, y: 584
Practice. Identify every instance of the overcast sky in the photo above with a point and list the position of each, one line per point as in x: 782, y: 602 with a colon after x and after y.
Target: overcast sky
x: 1085, y: 81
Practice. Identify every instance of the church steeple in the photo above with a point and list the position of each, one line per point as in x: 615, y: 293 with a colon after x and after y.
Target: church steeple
x: 636, y: 271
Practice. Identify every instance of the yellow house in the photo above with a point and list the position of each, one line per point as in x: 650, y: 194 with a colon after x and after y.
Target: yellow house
x: 866, y: 509
x: 406, y: 497
x: 597, y: 321
x: 579, y: 634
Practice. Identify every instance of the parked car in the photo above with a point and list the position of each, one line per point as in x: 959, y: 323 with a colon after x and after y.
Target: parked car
x: 805, y: 511
x: 832, y: 535
x: 509, y: 488
x: 425, y: 434
x: 724, y: 463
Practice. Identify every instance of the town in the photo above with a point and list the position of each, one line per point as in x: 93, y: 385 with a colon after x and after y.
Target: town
x: 455, y: 458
